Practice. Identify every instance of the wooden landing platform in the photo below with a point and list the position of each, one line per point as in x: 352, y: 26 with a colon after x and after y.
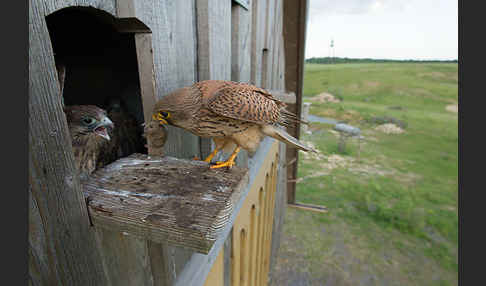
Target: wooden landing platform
x: 165, y: 199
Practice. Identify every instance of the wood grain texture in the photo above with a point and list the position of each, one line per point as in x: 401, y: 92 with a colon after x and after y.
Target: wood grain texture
x: 174, y: 43
x: 143, y: 196
x: 174, y: 59
x: 62, y: 245
x: 257, y: 40
x: 241, y: 55
x: 145, y: 60
x: 280, y: 206
x: 309, y: 207
x: 125, y: 258
x: 294, y: 15
x: 240, y: 44
x: 199, y: 265
x: 213, y: 48
x: 51, y: 6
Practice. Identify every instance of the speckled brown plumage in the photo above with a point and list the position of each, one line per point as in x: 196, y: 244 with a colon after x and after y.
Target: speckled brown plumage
x: 231, y: 113
x: 88, y: 126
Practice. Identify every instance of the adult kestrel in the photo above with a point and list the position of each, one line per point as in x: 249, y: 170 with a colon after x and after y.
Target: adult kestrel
x: 235, y: 115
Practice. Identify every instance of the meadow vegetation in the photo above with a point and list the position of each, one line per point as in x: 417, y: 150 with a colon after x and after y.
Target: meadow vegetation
x: 393, y: 212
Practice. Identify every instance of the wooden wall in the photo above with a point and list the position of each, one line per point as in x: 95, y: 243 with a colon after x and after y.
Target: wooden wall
x: 177, y: 43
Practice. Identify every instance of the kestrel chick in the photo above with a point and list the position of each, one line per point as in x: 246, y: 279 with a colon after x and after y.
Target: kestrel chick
x: 230, y: 113
x: 89, y: 129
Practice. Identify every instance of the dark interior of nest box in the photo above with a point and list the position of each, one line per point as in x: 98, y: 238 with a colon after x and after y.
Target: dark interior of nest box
x: 100, y: 62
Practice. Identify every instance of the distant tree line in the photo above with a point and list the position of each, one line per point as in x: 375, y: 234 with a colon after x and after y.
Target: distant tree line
x: 328, y: 60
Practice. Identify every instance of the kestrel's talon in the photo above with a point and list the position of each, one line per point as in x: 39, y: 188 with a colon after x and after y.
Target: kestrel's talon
x: 196, y: 158
x: 228, y: 164
x: 231, y: 160
x: 210, y: 156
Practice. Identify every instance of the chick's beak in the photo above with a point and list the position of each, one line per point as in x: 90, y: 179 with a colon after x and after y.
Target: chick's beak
x: 102, y: 128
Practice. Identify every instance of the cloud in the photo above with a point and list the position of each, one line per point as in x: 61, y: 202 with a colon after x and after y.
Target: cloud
x: 329, y: 7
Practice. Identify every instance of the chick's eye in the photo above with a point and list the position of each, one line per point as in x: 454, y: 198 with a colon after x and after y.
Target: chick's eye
x: 88, y: 121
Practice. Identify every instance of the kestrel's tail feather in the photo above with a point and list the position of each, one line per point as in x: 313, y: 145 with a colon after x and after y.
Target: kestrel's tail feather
x: 289, y: 117
x: 283, y: 136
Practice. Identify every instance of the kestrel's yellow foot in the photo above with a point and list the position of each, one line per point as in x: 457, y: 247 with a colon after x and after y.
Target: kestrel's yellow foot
x: 196, y: 158
x: 210, y: 157
x: 230, y: 162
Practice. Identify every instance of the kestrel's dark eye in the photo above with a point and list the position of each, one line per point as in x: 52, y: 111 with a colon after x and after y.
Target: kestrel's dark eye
x: 164, y: 114
x: 88, y: 120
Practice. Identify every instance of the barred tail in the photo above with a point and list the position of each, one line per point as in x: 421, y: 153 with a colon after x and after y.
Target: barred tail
x: 283, y: 136
x: 287, y: 118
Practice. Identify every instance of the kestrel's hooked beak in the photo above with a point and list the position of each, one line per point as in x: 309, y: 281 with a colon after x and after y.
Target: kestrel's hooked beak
x: 158, y: 117
x: 101, y: 129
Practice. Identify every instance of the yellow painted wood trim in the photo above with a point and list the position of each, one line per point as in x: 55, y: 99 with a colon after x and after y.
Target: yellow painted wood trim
x: 216, y: 275
x: 252, y: 230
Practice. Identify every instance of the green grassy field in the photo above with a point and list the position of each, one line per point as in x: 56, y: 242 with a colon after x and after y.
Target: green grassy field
x: 393, y: 217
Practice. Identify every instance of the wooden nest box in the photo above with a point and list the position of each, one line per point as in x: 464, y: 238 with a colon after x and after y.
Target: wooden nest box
x: 164, y: 199
x: 152, y: 219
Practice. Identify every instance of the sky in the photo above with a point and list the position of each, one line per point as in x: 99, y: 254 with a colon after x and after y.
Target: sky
x: 383, y: 29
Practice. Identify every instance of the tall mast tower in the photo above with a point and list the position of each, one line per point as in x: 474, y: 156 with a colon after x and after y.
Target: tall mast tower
x: 331, y: 50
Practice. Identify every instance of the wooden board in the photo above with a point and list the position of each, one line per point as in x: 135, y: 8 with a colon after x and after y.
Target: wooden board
x: 240, y: 55
x: 280, y: 205
x: 213, y: 48
x: 164, y: 199
x: 62, y: 247
x: 309, y: 207
x: 294, y: 27
x: 257, y: 40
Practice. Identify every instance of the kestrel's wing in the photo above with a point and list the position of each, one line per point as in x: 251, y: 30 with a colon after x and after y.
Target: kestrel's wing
x: 246, y: 103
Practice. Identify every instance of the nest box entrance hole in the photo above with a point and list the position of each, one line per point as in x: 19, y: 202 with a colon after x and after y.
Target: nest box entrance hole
x: 97, y: 65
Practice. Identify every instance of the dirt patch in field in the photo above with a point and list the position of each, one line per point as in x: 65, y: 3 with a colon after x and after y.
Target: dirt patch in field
x: 324, y: 98
x: 389, y: 128
x: 452, y: 108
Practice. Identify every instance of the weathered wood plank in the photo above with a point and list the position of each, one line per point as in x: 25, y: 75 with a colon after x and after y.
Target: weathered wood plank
x: 145, y: 60
x: 51, y: 6
x: 63, y: 241
x: 214, y: 39
x: 143, y: 196
x: 280, y: 205
x: 241, y: 55
x: 174, y: 36
x: 199, y: 265
x: 240, y: 44
x: 294, y: 15
x: 257, y: 40
x: 125, y: 258
x: 268, y: 44
x: 309, y: 207
x: 174, y: 59
x: 213, y: 47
